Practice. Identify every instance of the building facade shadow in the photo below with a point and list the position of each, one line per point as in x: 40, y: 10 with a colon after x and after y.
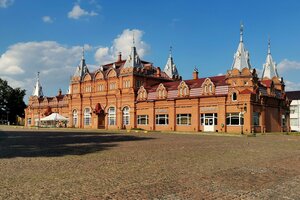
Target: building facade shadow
x: 54, y: 144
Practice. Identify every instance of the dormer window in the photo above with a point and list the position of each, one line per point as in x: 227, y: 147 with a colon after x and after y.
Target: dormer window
x: 210, y: 88
x: 161, y: 94
x: 183, y: 89
x: 234, y: 96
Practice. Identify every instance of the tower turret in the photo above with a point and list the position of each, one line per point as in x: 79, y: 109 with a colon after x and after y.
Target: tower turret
x: 38, y: 90
x: 133, y: 59
x: 270, y: 69
x: 82, y: 67
x: 170, y: 68
x: 241, y: 57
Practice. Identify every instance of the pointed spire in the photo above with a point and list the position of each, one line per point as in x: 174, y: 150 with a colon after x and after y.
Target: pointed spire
x: 170, y: 68
x: 133, y: 42
x: 270, y: 69
x: 269, y: 45
x: 38, y: 90
x: 82, y: 68
x: 241, y: 32
x: 241, y: 57
x: 82, y: 58
x: 133, y: 59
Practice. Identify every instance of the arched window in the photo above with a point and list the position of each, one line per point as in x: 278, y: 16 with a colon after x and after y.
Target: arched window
x: 87, y: 116
x: 126, y: 116
x: 205, y: 89
x: 159, y: 94
x: 185, y: 91
x: 234, y: 96
x: 112, y: 116
x: 210, y: 88
x: 75, y: 118
x: 180, y: 92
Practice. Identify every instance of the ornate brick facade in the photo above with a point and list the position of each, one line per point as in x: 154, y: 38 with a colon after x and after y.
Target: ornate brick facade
x: 133, y: 93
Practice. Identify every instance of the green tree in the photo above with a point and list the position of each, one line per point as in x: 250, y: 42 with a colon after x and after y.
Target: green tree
x: 11, y: 102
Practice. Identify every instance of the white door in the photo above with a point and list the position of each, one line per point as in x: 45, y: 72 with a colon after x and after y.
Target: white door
x: 209, y: 125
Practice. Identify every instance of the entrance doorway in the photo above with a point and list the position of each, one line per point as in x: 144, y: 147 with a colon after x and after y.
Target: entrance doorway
x: 101, y: 121
x: 208, y: 121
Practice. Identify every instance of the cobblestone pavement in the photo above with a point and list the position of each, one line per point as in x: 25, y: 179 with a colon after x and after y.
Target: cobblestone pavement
x: 89, y: 165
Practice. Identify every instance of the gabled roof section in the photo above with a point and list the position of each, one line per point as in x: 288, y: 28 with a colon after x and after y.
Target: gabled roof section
x: 38, y: 90
x: 247, y: 91
x: 270, y: 69
x: 293, y: 95
x: 170, y: 68
x: 241, y: 57
x: 82, y: 67
x: 194, y: 83
x: 133, y: 59
x: 266, y: 83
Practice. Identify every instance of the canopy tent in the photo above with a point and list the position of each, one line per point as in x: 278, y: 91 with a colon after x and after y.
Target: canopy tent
x: 53, y: 120
x: 54, y: 117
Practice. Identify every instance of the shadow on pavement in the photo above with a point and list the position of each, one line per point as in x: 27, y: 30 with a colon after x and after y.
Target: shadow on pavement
x: 54, y: 144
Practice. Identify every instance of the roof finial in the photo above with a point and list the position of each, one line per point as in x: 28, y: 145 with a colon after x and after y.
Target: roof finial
x: 170, y: 51
x: 38, y: 76
x: 241, y: 32
x: 133, y: 41
x: 269, y: 45
x: 82, y: 52
x: 195, y: 69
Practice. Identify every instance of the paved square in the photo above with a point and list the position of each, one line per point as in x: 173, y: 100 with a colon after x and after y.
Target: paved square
x: 93, y: 165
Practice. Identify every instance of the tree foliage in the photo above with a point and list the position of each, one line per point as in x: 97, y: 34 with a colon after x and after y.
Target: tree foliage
x: 11, y: 102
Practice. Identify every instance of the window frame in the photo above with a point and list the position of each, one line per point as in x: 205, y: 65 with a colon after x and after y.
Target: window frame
x: 75, y: 113
x: 180, y: 119
x: 87, y: 117
x: 126, y: 115
x: 163, y: 117
x: 140, y: 118
x: 235, y: 116
x: 111, y: 116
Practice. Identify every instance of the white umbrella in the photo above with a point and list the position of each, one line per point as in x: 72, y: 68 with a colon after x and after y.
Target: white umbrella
x: 54, y: 117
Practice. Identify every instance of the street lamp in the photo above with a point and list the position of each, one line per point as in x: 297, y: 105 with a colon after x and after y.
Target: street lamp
x: 243, y: 108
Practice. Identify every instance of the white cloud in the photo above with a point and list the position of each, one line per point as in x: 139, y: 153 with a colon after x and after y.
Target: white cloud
x: 290, y: 71
x: 47, y: 19
x: 56, y: 62
x: 291, y: 86
x: 122, y: 43
x: 286, y: 65
x: 78, y: 12
x: 6, y: 3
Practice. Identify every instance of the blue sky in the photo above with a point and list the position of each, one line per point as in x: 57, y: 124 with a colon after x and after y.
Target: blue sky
x: 47, y: 36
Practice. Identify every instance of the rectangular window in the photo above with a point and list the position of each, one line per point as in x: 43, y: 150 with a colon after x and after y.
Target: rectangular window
x: 100, y: 87
x: 139, y: 83
x: 29, y: 121
x: 162, y: 119
x: 283, y: 120
x: 294, y: 122
x: 293, y: 109
x: 183, y: 119
x: 142, y: 120
x: 112, y: 86
x: 234, y: 119
x: 255, y: 118
x: 88, y: 89
x: 126, y: 83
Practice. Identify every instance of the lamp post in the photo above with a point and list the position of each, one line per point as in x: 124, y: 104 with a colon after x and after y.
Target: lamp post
x: 243, y: 108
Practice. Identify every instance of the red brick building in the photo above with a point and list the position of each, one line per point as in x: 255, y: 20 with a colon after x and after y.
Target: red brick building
x: 133, y: 93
